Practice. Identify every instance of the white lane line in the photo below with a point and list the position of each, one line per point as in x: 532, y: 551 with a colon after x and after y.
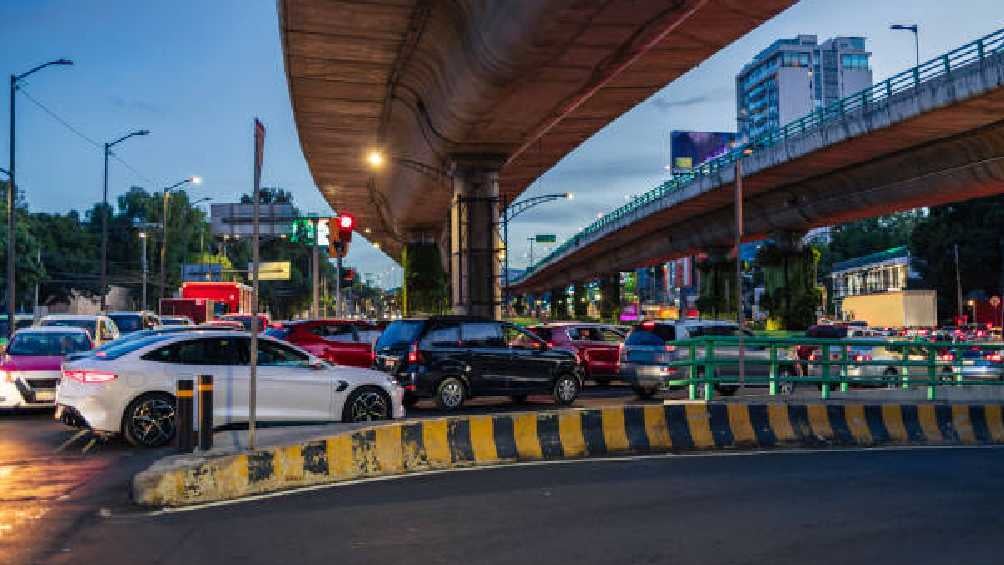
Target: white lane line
x: 616, y: 459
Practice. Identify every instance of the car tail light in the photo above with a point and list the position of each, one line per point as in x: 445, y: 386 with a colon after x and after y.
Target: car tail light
x: 413, y: 355
x: 550, y: 345
x: 995, y: 357
x: 89, y: 376
x: 670, y: 348
x: 862, y: 357
x: 814, y: 357
x: 946, y: 357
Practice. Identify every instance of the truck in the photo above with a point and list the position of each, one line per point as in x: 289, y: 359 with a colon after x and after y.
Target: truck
x: 227, y: 297
x: 199, y: 310
x: 894, y: 309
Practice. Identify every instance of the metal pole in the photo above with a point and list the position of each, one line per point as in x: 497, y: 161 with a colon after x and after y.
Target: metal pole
x: 144, y: 268
x: 11, y: 202
x: 315, y: 274
x: 739, y: 272
x: 104, y: 232
x: 958, y: 284
x: 338, y: 286
x: 505, y: 268
x: 253, y: 393
x: 916, y: 43
x: 35, y: 308
x: 163, y: 248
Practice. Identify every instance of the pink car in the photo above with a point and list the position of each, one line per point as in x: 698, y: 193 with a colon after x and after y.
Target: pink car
x: 31, y: 367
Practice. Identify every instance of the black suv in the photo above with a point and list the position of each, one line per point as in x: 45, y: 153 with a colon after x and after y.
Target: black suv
x: 453, y: 358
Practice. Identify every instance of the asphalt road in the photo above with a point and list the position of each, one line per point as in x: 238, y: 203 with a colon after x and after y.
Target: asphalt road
x: 912, y: 506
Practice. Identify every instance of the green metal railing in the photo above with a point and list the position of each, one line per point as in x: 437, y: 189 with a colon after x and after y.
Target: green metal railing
x: 708, y: 364
x: 881, y: 93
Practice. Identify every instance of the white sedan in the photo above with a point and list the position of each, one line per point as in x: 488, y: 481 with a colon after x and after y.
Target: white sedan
x: 129, y: 389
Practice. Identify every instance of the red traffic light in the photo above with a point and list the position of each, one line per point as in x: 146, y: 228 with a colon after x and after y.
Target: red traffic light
x: 346, y: 222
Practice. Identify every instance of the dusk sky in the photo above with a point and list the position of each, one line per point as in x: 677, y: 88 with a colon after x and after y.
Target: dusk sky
x: 196, y: 72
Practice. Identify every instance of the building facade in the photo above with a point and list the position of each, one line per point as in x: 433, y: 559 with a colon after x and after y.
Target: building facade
x: 794, y: 77
x: 885, y: 271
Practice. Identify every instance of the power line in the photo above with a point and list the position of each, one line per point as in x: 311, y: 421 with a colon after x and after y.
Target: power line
x: 82, y: 135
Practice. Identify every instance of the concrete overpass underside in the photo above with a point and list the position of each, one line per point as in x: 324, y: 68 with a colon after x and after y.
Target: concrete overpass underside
x: 941, y: 142
x: 523, y: 82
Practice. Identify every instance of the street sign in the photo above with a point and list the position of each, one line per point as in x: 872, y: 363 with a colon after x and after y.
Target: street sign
x: 546, y: 238
x: 272, y: 270
x: 202, y: 272
x: 237, y: 220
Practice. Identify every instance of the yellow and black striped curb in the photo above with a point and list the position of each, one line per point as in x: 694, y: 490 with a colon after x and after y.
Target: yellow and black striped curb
x: 401, y: 447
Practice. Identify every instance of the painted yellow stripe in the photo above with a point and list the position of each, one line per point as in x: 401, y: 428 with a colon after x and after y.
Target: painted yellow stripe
x: 995, y: 424
x: 389, y: 453
x: 929, y: 422
x: 525, y: 431
x: 742, y: 427
x: 699, y: 424
x: 205, y: 388
x: 573, y: 443
x: 184, y: 394
x: 483, y: 439
x: 780, y: 424
x: 287, y: 463
x: 231, y: 478
x: 340, y: 462
x: 613, y: 430
x: 962, y: 423
x: 436, y: 442
x: 892, y: 417
x: 819, y: 421
x: 656, y: 428
x: 857, y: 422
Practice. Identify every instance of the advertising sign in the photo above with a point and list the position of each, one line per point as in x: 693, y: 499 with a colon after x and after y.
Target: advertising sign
x: 691, y: 149
x: 272, y: 271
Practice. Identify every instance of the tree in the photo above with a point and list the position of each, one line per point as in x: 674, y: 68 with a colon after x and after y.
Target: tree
x: 863, y: 237
x: 26, y: 265
x: 977, y: 227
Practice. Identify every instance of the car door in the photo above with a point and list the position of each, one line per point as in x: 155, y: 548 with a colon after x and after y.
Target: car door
x: 489, y: 359
x: 290, y: 388
x: 531, y: 364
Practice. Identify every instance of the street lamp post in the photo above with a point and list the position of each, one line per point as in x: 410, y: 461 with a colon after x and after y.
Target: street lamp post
x: 510, y: 212
x: 105, y: 213
x: 739, y: 269
x: 163, y: 242
x: 916, y: 37
x: 202, y: 227
x: 12, y: 192
x: 143, y: 266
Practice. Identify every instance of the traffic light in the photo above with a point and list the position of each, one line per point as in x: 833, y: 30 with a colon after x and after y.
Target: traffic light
x: 336, y: 247
x: 348, y: 277
x: 346, y: 223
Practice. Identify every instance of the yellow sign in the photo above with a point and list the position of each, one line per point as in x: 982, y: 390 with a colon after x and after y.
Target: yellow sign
x: 272, y: 271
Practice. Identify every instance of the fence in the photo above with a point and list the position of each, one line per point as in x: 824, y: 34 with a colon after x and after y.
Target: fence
x: 711, y: 364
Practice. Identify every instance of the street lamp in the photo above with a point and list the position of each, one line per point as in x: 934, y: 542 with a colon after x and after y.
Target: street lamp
x: 202, y: 227
x: 163, y: 243
x: 12, y: 191
x: 746, y: 151
x: 105, y: 213
x: 143, y: 267
x: 916, y: 36
x: 510, y: 212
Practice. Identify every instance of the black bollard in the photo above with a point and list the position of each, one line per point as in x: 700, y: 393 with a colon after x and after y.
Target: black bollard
x: 205, y: 412
x: 183, y: 416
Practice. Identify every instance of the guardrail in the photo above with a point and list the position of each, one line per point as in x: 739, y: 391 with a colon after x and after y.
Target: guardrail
x: 833, y: 364
x: 936, y: 68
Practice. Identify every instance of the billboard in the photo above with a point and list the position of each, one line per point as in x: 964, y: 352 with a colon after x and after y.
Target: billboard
x: 691, y: 149
x: 237, y: 219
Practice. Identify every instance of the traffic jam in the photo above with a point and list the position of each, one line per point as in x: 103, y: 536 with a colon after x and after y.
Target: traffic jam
x: 115, y: 374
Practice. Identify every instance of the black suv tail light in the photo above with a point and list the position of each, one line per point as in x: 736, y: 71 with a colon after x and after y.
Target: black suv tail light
x: 414, y: 356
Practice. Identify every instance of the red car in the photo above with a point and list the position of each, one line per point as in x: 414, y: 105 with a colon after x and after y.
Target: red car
x: 31, y: 368
x: 597, y: 346
x: 343, y: 342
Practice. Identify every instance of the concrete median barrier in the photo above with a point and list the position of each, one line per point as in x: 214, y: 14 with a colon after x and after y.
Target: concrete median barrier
x: 395, y: 448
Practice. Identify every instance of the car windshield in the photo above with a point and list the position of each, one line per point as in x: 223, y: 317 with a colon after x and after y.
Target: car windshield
x: 87, y: 324
x: 169, y: 321
x: 118, y: 348
x: 127, y: 322
x: 399, y: 333
x: 278, y: 333
x: 48, y: 343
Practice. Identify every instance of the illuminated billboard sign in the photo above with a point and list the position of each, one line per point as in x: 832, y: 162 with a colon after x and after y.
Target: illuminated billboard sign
x: 691, y: 149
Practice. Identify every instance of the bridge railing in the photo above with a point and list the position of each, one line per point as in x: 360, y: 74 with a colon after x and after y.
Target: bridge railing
x: 710, y: 365
x: 974, y: 52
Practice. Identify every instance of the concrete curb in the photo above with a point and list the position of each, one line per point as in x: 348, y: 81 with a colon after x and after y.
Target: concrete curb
x: 395, y: 448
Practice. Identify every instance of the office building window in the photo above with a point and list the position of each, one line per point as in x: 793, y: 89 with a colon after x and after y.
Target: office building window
x: 854, y: 61
x: 795, y: 59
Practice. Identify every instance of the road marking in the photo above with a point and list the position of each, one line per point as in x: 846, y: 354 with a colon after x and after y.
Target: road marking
x: 613, y: 459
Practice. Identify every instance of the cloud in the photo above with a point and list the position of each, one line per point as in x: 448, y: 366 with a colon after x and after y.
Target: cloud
x: 665, y: 103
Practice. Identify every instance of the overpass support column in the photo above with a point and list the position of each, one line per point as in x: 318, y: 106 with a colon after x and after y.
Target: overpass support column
x: 559, y: 303
x: 789, y: 270
x: 610, y: 297
x: 581, y: 305
x: 474, y: 240
x: 718, y: 275
x: 424, y: 290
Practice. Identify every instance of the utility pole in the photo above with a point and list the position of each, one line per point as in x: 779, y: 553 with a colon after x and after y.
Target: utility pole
x: 338, y: 286
x: 958, y: 284
x: 739, y: 267
x: 143, y: 265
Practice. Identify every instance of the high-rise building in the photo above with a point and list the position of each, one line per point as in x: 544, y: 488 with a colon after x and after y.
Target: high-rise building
x: 794, y: 77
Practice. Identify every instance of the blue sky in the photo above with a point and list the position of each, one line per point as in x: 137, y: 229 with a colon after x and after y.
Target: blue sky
x: 195, y: 72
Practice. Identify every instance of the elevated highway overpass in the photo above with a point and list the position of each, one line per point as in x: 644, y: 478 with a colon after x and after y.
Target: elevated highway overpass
x: 471, y: 101
x: 930, y: 135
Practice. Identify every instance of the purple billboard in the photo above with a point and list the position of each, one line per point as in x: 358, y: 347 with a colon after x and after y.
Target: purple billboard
x: 690, y: 149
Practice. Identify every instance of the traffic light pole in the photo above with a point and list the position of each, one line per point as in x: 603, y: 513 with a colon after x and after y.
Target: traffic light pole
x: 315, y: 274
x: 338, y: 287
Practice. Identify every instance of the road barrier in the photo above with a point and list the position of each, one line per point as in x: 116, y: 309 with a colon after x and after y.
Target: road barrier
x: 183, y: 414
x: 840, y: 364
x: 395, y: 448
x: 205, y: 412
